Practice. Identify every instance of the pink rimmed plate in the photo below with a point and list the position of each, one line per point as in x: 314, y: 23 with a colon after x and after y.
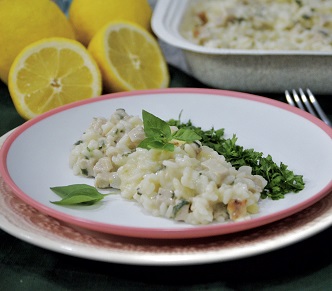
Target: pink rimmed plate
x: 35, y: 156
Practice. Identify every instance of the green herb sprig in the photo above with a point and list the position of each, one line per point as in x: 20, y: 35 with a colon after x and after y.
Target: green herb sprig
x: 77, y: 194
x: 159, y: 135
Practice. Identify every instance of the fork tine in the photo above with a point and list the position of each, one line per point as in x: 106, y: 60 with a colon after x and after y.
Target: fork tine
x: 320, y: 111
x: 307, y: 103
x: 298, y: 100
x: 289, y: 98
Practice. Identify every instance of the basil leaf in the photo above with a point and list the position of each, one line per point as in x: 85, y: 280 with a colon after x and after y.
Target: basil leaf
x: 155, y: 127
x: 168, y: 147
x: 77, y: 199
x: 186, y: 135
x: 146, y: 143
x: 150, y: 143
x: 64, y: 191
x: 158, y: 133
x: 77, y: 194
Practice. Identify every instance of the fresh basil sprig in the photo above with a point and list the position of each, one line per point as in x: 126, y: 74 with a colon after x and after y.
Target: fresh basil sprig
x: 77, y: 194
x: 159, y: 135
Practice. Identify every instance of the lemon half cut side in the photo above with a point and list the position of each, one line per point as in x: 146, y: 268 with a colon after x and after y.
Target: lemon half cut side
x: 50, y: 73
x: 129, y: 58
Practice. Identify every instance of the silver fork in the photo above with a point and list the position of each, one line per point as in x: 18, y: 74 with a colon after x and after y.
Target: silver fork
x: 305, y: 103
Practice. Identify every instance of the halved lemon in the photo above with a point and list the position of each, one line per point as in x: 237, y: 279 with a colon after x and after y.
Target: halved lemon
x: 50, y: 73
x: 129, y: 58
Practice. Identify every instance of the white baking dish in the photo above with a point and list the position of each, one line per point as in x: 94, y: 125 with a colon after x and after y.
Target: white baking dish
x: 261, y: 71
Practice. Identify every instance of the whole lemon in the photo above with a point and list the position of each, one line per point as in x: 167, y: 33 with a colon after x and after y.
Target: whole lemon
x: 23, y: 22
x: 87, y: 16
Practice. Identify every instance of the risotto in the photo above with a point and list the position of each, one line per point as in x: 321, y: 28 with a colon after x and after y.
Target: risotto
x: 193, y: 183
x: 260, y: 24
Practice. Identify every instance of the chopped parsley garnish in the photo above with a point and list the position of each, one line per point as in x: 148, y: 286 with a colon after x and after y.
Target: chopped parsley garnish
x: 178, y: 206
x: 85, y: 171
x: 280, y: 180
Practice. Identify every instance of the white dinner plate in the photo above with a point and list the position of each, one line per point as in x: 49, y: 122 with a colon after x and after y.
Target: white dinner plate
x: 35, y: 156
x: 28, y: 224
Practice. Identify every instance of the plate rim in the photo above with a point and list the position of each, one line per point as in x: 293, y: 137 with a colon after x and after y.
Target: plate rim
x: 199, y: 231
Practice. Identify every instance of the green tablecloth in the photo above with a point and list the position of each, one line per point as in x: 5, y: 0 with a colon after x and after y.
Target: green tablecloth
x: 306, y: 265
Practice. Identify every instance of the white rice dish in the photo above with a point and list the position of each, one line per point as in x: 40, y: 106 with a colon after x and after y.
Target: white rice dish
x: 260, y: 24
x: 193, y: 183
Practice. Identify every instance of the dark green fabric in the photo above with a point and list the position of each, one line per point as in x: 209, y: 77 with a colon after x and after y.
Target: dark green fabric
x: 307, y: 265
x: 303, y: 266
x: 9, y: 118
